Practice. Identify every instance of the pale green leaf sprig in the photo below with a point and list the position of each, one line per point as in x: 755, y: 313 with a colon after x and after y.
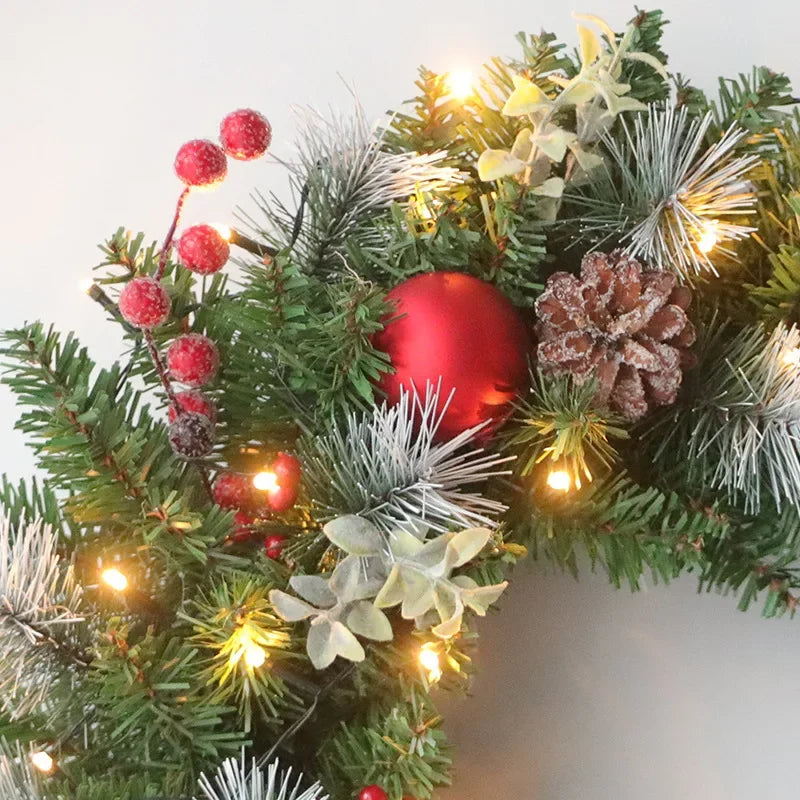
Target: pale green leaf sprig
x: 596, y: 94
x: 417, y: 573
x: 396, y: 569
x: 339, y: 606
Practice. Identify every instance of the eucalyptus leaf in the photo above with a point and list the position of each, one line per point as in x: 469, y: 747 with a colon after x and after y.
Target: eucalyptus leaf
x: 355, y: 535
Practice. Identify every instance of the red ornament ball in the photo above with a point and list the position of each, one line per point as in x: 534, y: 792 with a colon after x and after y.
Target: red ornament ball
x: 200, y: 162
x: 193, y: 359
x: 464, y: 331
x: 202, y: 249
x: 245, y: 134
x: 273, y: 545
x: 233, y: 490
x: 242, y: 530
x: 282, y: 498
x: 287, y: 469
x: 372, y: 792
x: 144, y: 303
x: 191, y: 435
x: 192, y: 400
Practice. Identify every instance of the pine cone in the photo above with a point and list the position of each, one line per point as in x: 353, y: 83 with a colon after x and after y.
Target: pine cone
x: 621, y: 325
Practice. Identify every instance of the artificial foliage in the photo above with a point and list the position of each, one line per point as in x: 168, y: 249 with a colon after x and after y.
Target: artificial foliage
x: 241, y: 549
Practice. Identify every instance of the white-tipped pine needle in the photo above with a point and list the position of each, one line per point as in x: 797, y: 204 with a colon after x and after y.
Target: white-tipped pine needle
x: 344, y: 176
x: 37, y: 598
x: 233, y: 781
x: 748, y: 428
x: 677, y: 202
x: 17, y: 780
x: 386, y: 466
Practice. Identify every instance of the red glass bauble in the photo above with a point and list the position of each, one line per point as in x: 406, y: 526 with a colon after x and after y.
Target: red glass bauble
x: 465, y: 331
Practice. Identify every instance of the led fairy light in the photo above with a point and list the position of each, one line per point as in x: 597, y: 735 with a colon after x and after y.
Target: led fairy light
x: 42, y: 761
x: 265, y: 481
x: 115, y: 579
x: 708, y: 238
x: 459, y: 81
x: 559, y: 480
x: 254, y: 654
x: 791, y: 357
x: 223, y: 230
x: 429, y: 660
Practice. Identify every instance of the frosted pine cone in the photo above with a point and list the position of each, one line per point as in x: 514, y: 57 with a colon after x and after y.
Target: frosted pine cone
x: 622, y: 325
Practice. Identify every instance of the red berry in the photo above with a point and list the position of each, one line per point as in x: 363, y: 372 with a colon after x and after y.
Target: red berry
x: 282, y: 498
x: 144, y: 303
x: 245, y: 134
x: 192, y: 400
x: 287, y: 469
x: 191, y: 435
x: 273, y: 545
x: 202, y: 249
x: 372, y: 792
x: 201, y: 163
x: 233, y: 490
x: 243, y: 521
x: 193, y: 359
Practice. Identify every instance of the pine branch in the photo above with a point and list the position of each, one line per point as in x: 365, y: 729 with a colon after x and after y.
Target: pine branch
x: 96, y: 442
x: 387, y: 467
x: 663, y: 195
x: 401, y: 748
x: 742, y: 428
x: 40, y: 605
x: 627, y: 529
x: 18, y: 781
x: 234, y: 781
x: 347, y: 177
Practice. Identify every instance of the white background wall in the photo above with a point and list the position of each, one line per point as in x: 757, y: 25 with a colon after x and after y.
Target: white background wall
x: 584, y: 693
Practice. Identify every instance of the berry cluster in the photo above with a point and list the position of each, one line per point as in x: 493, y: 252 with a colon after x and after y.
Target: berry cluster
x: 192, y: 359
x: 236, y: 491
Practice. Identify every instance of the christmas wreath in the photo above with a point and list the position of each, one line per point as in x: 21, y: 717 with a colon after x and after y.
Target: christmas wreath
x: 550, y: 312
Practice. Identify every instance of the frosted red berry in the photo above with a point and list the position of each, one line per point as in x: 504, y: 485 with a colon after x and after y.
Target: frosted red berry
x: 144, y: 303
x: 242, y: 522
x: 282, y: 498
x: 273, y: 545
x: 192, y: 400
x: 372, y: 792
x: 245, y: 134
x: 202, y: 249
x: 200, y: 162
x: 233, y: 490
x: 191, y: 435
x: 287, y: 469
x: 193, y: 359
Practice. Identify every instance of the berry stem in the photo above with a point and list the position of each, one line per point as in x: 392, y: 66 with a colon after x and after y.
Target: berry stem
x: 167, y: 246
x: 161, y: 370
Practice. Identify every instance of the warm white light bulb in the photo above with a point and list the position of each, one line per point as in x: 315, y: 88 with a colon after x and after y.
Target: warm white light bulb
x: 559, y: 480
x: 254, y: 655
x: 791, y: 357
x: 430, y: 661
x: 42, y: 761
x: 115, y: 579
x: 265, y: 481
x: 708, y: 239
x: 459, y: 82
x: 86, y: 284
x: 223, y: 230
